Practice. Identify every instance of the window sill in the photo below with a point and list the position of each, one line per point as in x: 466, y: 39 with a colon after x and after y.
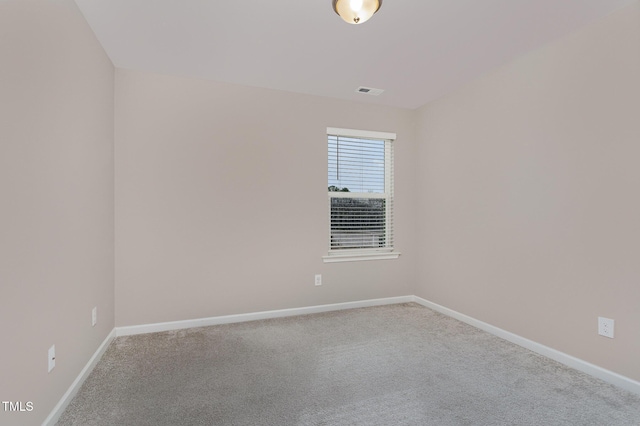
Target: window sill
x: 358, y: 257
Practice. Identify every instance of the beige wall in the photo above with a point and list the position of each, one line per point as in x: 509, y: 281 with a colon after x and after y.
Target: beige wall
x: 56, y: 205
x: 529, y: 203
x: 221, y: 204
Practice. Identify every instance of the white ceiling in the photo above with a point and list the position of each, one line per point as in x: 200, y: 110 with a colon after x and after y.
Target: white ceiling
x: 416, y: 50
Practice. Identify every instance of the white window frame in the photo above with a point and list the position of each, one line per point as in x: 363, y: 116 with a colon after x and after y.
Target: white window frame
x: 352, y: 255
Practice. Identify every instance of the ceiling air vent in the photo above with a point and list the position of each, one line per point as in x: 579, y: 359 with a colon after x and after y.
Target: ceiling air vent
x: 369, y: 90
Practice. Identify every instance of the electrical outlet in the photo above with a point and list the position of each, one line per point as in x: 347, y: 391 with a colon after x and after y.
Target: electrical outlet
x: 605, y: 327
x: 51, y: 356
x: 318, y: 279
x: 94, y: 316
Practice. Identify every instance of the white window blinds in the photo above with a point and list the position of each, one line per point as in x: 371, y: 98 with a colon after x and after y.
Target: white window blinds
x: 360, y: 189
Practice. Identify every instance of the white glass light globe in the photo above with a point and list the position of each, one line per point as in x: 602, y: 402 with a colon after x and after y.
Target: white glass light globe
x: 356, y: 11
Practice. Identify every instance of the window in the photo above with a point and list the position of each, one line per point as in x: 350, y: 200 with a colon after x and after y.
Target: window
x: 360, y: 195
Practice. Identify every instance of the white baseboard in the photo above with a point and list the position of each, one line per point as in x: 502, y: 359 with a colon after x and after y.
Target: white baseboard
x: 227, y: 319
x: 57, y: 411
x: 568, y: 360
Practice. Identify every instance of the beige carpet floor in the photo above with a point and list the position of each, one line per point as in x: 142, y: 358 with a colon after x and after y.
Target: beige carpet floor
x: 390, y: 365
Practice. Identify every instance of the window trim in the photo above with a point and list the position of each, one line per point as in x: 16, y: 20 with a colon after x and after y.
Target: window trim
x: 365, y: 134
x: 360, y: 256
x: 354, y: 255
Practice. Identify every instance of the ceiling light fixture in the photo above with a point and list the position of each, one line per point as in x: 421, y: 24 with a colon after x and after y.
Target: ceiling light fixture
x: 356, y: 11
